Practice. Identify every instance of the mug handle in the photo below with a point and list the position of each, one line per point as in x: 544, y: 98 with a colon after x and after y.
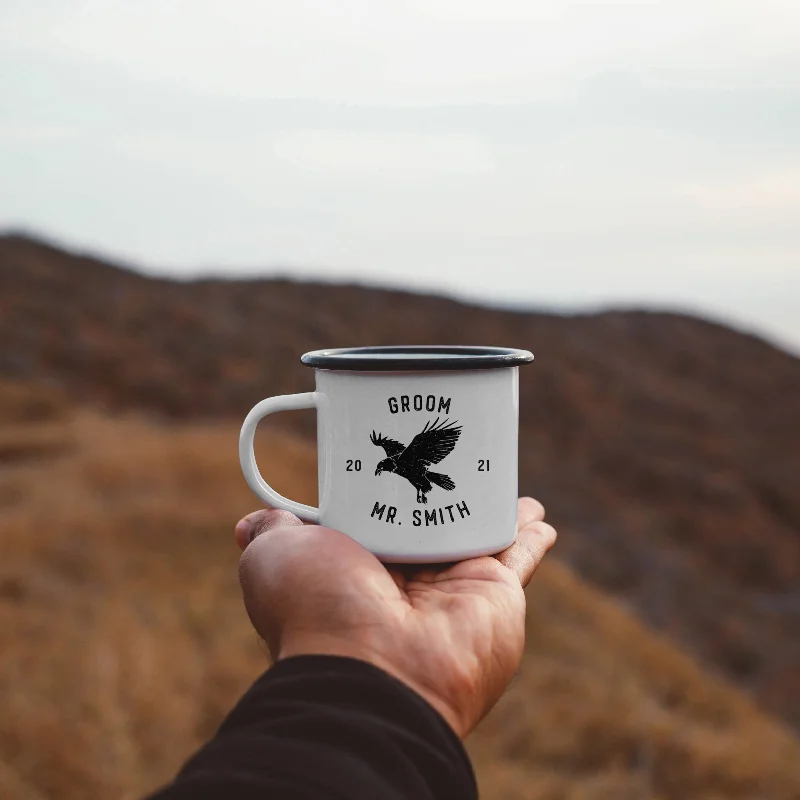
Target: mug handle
x: 247, y: 456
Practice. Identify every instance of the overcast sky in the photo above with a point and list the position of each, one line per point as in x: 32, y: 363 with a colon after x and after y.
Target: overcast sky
x: 563, y: 154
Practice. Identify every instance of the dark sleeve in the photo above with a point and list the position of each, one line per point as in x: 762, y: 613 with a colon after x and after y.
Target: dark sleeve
x: 328, y: 727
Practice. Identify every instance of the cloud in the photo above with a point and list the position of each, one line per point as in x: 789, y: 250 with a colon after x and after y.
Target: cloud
x: 404, y: 51
x: 395, y: 156
x: 775, y: 190
x: 22, y: 132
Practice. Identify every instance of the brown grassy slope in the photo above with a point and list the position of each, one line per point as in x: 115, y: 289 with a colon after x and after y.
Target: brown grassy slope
x: 669, y: 446
x: 122, y: 636
x: 123, y: 640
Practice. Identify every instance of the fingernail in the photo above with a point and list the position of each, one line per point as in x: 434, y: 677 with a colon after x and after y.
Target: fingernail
x: 244, y: 529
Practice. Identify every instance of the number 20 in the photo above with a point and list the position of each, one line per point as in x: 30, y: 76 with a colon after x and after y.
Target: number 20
x: 481, y: 463
x: 353, y: 465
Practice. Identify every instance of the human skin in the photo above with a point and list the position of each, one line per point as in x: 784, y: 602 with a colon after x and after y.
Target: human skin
x: 454, y: 633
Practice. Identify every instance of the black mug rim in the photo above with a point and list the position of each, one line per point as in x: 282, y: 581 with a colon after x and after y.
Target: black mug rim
x: 402, y: 358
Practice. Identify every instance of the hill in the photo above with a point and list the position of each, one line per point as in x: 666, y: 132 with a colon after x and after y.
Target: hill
x: 123, y: 639
x: 666, y: 448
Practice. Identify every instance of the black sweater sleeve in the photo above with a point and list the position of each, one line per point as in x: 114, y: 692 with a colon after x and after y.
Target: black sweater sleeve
x: 317, y: 727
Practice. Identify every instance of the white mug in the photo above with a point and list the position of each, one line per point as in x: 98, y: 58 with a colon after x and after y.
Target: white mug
x: 417, y: 448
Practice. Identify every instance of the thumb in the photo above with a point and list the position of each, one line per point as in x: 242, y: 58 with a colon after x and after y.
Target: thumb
x: 313, y: 580
x: 258, y: 522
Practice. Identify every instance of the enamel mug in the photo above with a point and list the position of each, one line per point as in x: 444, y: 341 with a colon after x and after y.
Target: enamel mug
x: 417, y: 448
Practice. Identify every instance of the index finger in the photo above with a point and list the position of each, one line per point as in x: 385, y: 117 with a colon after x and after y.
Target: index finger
x: 534, y: 538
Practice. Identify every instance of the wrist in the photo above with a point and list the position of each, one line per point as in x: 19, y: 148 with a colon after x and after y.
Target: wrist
x: 327, y: 645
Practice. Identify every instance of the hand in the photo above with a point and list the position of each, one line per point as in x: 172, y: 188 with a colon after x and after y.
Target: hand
x: 453, y: 633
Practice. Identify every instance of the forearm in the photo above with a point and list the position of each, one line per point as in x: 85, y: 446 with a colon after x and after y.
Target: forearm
x: 323, y: 726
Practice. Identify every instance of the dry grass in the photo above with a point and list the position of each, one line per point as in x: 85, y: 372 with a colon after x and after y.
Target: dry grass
x: 123, y: 640
x: 604, y: 708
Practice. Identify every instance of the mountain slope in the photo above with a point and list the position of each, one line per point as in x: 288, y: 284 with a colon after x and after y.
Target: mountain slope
x: 123, y: 639
x: 666, y: 448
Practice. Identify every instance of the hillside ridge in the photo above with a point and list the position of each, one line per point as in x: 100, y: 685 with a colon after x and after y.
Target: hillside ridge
x: 121, y: 623
x: 665, y: 447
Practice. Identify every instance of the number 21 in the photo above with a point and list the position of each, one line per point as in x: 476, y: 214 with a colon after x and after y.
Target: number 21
x: 481, y: 463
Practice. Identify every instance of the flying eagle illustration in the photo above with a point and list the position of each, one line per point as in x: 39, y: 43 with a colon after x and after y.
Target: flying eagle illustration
x: 430, y: 446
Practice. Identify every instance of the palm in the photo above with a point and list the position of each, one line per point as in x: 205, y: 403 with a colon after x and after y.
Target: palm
x: 467, y: 616
x: 455, y: 634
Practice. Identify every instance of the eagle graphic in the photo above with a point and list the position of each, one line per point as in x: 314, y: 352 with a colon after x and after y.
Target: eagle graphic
x: 430, y: 446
